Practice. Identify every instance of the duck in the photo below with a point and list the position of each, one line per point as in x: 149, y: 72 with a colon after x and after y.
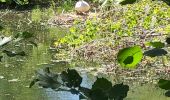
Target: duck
x: 82, y: 7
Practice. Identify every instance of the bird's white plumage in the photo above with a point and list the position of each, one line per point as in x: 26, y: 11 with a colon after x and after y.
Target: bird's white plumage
x: 82, y: 6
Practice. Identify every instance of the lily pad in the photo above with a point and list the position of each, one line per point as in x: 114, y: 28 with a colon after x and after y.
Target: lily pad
x: 164, y: 84
x: 155, y: 52
x: 130, y: 57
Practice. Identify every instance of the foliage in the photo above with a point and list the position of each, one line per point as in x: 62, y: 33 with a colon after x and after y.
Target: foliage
x: 77, y: 37
x: 102, y: 89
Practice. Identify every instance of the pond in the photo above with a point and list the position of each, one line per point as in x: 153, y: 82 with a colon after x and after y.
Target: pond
x: 16, y: 73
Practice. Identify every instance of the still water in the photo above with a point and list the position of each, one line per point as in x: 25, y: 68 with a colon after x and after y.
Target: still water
x: 16, y: 73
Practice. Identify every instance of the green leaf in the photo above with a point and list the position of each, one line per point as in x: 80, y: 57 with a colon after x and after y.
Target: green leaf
x: 118, y: 91
x: 130, y: 57
x: 164, y: 84
x: 155, y: 52
x: 124, y: 2
x: 103, y: 84
x: 71, y: 78
x: 157, y: 44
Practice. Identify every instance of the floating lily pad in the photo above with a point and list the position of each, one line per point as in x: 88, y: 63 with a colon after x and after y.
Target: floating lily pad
x: 164, y: 84
x: 130, y: 57
x: 155, y: 52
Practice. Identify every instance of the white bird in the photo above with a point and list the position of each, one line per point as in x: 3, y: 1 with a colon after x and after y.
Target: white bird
x: 82, y: 7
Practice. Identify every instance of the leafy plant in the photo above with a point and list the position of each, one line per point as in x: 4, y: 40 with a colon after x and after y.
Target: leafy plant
x: 130, y: 57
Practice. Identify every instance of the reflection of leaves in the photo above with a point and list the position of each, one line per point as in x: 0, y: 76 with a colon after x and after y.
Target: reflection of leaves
x: 98, y: 94
x: 71, y: 78
x: 118, y: 91
x: 13, y: 54
x: 46, y: 79
x: 24, y: 35
x: 167, y: 93
x: 164, y: 84
x: 100, y: 89
x: 1, y: 58
x: 1, y: 28
x: 103, y: 84
x: 130, y: 57
x: 155, y: 52
x: 168, y: 40
x: 157, y: 44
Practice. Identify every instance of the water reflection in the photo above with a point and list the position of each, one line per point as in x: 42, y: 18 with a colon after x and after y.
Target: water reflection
x: 63, y: 95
